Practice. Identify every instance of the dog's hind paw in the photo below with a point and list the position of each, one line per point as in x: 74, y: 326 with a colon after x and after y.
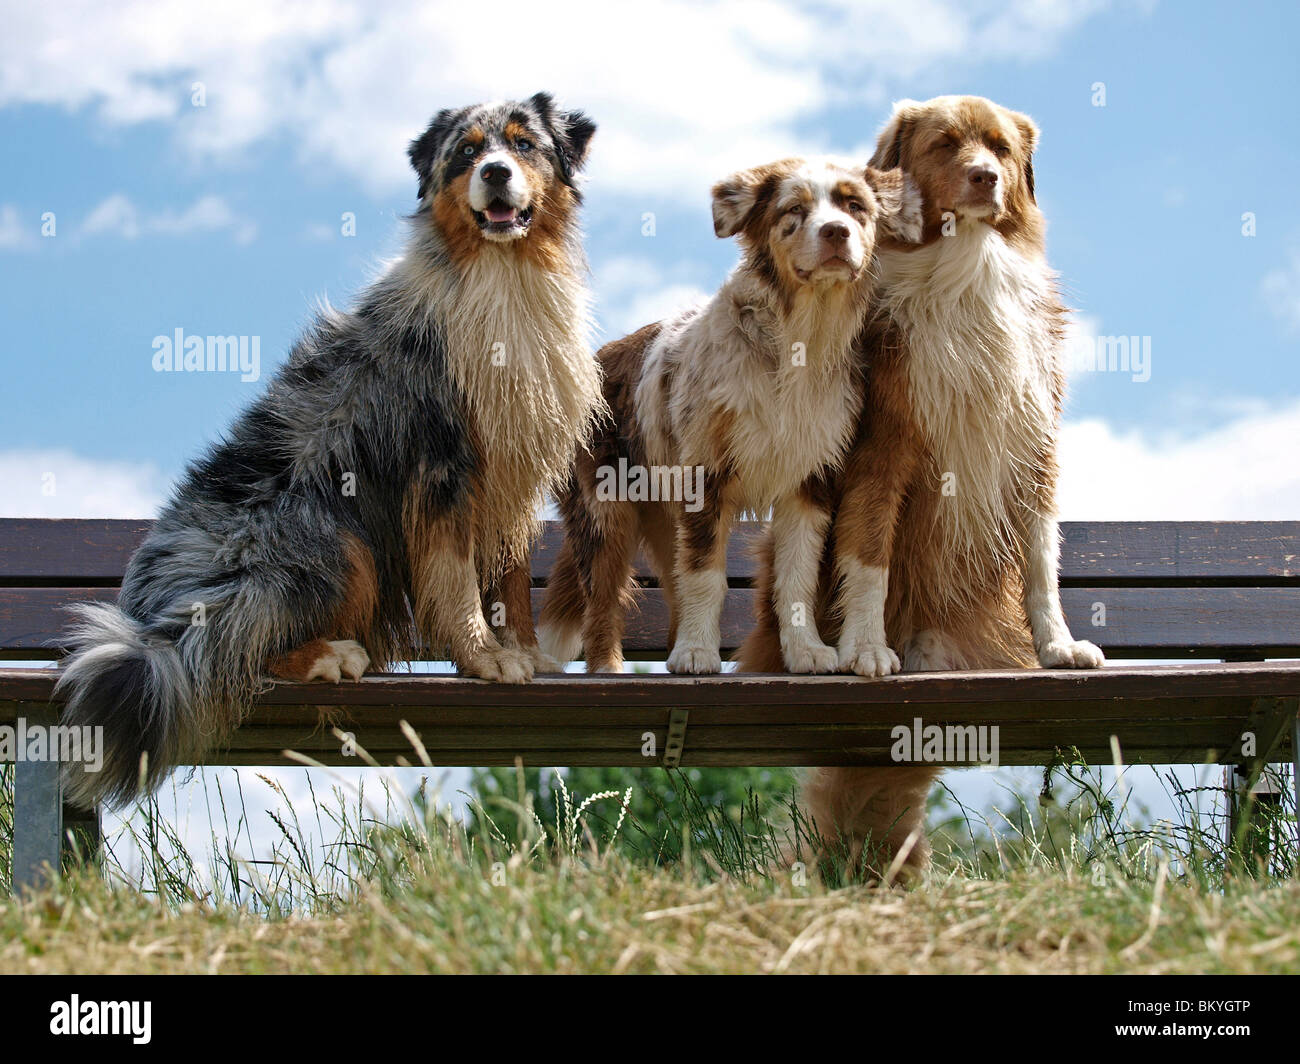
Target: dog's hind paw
x: 500, y: 665
x: 351, y: 657
x: 542, y: 661
x: 328, y: 660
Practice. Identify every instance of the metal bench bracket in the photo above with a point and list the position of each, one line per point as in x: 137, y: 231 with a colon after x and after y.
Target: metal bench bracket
x: 676, y: 738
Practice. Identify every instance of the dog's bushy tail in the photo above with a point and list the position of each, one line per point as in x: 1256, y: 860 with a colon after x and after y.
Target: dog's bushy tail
x: 136, y: 687
x: 163, y: 691
x: 559, y: 630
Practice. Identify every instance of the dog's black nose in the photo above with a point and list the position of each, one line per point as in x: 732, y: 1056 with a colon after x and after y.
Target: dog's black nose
x: 835, y: 232
x: 983, y: 175
x: 495, y: 173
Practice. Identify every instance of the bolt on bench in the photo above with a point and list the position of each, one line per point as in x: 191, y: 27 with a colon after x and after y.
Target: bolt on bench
x: 1198, y: 590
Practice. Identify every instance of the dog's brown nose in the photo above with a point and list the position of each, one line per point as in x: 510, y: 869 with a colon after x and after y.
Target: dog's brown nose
x: 835, y: 233
x: 495, y: 173
x: 982, y: 175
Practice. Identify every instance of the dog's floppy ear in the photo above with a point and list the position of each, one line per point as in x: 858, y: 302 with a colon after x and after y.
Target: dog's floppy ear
x: 889, y: 145
x: 424, y: 149
x: 900, y: 204
x: 736, y: 198
x: 571, y: 130
x: 1029, y: 140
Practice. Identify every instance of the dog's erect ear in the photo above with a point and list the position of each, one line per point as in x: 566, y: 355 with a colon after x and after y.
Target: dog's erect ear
x: 424, y: 149
x: 571, y: 130
x: 736, y: 198
x: 889, y: 145
x: 900, y: 204
x: 1029, y: 141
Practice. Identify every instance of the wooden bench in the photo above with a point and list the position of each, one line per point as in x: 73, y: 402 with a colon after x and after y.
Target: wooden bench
x: 1225, y: 591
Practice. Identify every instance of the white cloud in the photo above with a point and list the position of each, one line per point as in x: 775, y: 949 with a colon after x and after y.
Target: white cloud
x: 632, y: 291
x: 14, y: 235
x: 118, y: 216
x: 1281, y: 289
x: 683, y: 91
x: 57, y: 483
x: 1244, y: 469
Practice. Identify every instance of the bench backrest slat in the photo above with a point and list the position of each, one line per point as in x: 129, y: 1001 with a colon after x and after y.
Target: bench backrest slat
x: 1162, y: 589
x: 94, y: 552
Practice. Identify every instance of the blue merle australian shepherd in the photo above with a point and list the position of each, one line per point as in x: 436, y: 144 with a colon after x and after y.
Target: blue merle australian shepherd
x: 386, y: 485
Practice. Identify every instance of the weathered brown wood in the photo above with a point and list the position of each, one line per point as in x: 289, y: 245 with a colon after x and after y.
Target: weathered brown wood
x: 1173, y: 711
x: 88, y: 552
x: 1218, y: 735
x: 1140, y: 622
x: 75, y: 551
x: 1160, y: 714
x: 746, y: 693
x: 766, y: 758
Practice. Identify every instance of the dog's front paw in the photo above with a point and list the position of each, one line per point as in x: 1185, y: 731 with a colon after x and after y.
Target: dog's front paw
x: 810, y: 656
x: 1071, y: 654
x: 500, y: 665
x: 868, y: 659
x: 699, y: 660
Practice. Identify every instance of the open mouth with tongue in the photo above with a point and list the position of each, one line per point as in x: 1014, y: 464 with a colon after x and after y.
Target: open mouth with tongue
x: 499, y: 217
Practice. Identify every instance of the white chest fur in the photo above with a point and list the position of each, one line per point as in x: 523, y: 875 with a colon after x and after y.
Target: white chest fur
x: 781, y: 387
x: 517, y: 345
x: 518, y: 349
x: 979, y: 319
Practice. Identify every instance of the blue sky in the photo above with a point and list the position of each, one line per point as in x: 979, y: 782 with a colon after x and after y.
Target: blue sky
x: 225, y: 219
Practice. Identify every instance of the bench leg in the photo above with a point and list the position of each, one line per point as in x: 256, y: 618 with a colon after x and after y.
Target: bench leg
x: 1254, y: 788
x: 1254, y: 808
x: 45, y: 830
x: 38, y: 811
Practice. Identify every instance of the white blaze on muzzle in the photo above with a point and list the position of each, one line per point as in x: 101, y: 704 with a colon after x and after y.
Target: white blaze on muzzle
x: 980, y: 201
x: 812, y: 249
x: 500, y: 186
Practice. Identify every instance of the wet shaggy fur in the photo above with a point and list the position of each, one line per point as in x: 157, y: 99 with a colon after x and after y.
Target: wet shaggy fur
x: 391, y: 471
x: 757, y: 389
x: 944, y: 547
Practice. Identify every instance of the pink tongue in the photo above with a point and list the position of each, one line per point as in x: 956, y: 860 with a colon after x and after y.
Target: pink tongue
x: 500, y: 214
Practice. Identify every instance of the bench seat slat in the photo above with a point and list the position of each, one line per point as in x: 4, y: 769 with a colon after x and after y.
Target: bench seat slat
x: 1160, y: 714
x: 1234, y: 680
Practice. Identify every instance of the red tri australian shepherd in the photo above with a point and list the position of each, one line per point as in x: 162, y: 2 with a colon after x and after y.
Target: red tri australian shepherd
x: 944, y: 547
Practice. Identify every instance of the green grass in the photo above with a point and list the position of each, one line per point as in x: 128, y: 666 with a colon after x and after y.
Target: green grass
x: 544, y: 880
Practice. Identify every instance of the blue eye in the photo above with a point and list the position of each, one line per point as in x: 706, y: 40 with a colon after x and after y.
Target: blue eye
x: 524, y: 144
x: 469, y: 149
